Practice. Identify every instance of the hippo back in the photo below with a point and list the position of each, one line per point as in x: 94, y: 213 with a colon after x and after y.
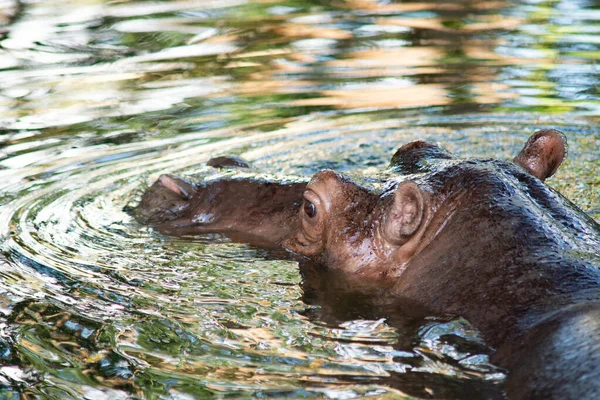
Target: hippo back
x: 506, y: 248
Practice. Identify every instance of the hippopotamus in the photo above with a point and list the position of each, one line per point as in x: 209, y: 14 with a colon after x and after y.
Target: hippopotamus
x: 484, y: 239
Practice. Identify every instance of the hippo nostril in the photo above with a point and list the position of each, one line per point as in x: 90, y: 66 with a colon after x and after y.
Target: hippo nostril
x: 309, y: 209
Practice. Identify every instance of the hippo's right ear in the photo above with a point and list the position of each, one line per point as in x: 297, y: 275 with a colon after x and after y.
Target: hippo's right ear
x: 406, y: 214
x: 180, y: 187
x: 543, y: 153
x: 417, y: 156
x: 228, y: 162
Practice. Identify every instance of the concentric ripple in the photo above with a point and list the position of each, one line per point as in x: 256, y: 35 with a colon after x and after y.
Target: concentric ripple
x: 213, y: 316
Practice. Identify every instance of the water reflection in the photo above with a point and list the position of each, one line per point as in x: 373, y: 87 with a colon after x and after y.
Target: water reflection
x: 99, y: 98
x: 361, y: 55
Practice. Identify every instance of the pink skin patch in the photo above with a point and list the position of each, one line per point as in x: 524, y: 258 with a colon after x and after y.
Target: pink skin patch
x: 170, y: 184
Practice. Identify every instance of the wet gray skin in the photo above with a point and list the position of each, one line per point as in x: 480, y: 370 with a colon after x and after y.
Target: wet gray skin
x: 483, y: 239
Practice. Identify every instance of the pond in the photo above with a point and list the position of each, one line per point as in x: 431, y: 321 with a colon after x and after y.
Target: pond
x: 98, y: 98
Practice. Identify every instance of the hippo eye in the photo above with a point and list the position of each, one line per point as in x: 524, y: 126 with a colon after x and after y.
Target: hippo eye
x: 309, y: 209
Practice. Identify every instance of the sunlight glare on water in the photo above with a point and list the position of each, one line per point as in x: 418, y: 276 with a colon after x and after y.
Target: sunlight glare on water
x: 98, y: 98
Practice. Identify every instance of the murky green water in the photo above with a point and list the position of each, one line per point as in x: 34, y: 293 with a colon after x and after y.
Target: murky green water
x: 97, y: 98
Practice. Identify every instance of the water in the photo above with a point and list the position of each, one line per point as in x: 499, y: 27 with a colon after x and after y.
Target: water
x: 97, y: 98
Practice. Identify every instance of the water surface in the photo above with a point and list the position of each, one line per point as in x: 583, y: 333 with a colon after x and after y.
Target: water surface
x: 98, y: 98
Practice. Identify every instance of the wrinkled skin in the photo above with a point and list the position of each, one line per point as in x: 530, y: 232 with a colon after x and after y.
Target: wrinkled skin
x: 483, y: 239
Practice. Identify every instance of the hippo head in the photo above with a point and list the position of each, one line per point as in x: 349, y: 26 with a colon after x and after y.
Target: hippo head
x: 336, y: 222
x: 344, y: 225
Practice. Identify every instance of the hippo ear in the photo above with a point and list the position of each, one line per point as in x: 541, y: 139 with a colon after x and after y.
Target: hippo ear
x: 543, y: 153
x: 406, y: 213
x: 228, y: 162
x: 178, y: 186
x: 417, y: 156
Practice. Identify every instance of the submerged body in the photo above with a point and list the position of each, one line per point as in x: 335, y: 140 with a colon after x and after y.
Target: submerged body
x: 483, y: 239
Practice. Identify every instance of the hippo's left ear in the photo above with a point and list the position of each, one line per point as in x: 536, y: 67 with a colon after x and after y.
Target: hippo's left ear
x: 406, y: 213
x: 228, y: 162
x: 543, y: 153
x: 417, y: 156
